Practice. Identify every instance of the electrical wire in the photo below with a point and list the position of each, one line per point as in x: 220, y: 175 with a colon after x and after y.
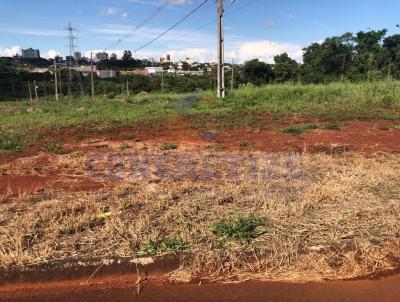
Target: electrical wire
x: 173, y: 26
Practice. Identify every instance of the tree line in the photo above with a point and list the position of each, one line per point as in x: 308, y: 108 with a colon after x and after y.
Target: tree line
x: 370, y: 55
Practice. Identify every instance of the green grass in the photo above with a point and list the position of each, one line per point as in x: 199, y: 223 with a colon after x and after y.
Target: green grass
x: 166, y: 147
x: 56, y: 148
x: 249, y: 106
x: 239, y: 228
x: 167, y: 245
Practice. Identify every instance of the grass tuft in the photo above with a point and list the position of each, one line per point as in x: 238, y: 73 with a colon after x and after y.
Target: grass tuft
x: 166, y: 147
x: 240, y: 228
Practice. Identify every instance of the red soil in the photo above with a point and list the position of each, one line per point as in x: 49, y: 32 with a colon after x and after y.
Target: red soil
x: 356, y: 136
x: 123, y: 287
x: 28, y: 184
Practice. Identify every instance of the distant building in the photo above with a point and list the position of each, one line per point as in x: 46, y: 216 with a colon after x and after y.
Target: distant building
x: 59, y: 59
x: 154, y: 70
x: 190, y: 72
x: 106, y: 74
x: 77, y: 56
x: 168, y: 58
x: 189, y: 61
x: 30, y: 53
x: 102, y: 56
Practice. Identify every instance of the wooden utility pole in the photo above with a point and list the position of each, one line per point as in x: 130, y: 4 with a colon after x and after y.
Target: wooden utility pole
x: 91, y: 74
x: 30, y: 91
x: 60, y: 82
x: 220, y: 67
x: 35, y: 87
x: 162, y: 81
x: 45, y: 92
x: 233, y: 77
x: 55, y: 79
x: 127, y: 88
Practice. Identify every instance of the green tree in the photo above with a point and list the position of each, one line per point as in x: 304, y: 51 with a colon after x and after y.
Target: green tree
x: 257, y: 72
x: 285, y: 68
x: 329, y: 60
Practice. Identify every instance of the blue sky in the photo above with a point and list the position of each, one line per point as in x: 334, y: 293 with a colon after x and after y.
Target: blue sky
x: 253, y: 28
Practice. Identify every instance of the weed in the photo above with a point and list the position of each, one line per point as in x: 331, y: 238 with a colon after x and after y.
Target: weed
x: 9, y: 141
x: 396, y: 127
x: 297, y: 130
x: 332, y: 126
x: 239, y: 228
x: 124, y: 147
x: 244, y: 143
x: 168, y: 245
x: 56, y: 148
x: 166, y: 147
x: 215, y: 147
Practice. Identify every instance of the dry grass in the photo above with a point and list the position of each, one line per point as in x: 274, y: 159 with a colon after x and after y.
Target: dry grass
x: 339, y: 220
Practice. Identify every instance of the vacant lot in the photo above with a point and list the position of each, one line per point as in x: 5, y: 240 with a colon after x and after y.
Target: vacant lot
x: 280, y: 182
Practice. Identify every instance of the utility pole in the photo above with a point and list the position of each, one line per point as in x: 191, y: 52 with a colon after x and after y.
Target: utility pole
x: 30, y: 91
x: 35, y: 87
x: 220, y: 67
x: 55, y: 79
x: 71, y: 46
x: 91, y: 74
x: 233, y: 77
x: 127, y: 88
x: 45, y: 91
x: 162, y: 81
x: 60, y: 82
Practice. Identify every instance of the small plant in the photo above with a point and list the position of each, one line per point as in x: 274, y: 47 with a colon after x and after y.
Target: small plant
x: 240, y: 228
x: 333, y: 126
x: 215, y: 147
x: 124, y: 147
x: 297, y: 130
x: 168, y: 147
x: 9, y: 142
x: 167, y: 245
x: 396, y: 127
x: 244, y: 143
x: 56, y: 148
x: 174, y: 245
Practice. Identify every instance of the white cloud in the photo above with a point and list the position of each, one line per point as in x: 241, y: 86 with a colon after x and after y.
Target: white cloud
x: 109, y: 11
x: 33, y: 32
x: 9, y: 52
x: 53, y: 53
x: 265, y: 51
x: 125, y: 15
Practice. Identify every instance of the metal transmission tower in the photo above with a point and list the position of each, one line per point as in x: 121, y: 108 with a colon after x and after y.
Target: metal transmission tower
x: 71, y: 38
x: 220, y: 67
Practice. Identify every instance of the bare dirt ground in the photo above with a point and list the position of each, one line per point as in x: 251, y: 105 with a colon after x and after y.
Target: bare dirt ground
x: 329, y: 202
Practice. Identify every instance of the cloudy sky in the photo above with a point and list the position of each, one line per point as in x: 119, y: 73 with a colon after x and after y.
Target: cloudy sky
x: 253, y: 28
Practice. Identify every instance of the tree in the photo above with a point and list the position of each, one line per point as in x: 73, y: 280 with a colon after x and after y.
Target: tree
x: 328, y: 60
x: 391, y: 46
x: 285, y: 68
x: 257, y: 73
x: 127, y: 55
x: 370, y: 57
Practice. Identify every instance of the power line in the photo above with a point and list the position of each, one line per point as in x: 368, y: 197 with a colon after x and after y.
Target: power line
x: 173, y: 26
x: 145, y: 20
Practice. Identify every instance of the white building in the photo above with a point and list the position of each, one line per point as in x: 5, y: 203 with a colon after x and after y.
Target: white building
x: 102, y: 56
x: 154, y: 70
x: 106, y: 74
